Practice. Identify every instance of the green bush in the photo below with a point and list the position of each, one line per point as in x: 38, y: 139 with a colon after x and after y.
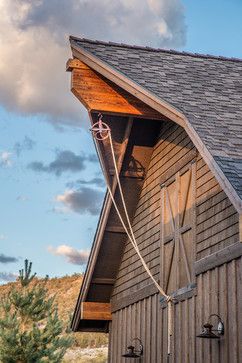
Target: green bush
x: 30, y: 328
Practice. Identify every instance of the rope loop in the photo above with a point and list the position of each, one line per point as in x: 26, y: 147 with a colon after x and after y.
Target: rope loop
x: 100, y: 130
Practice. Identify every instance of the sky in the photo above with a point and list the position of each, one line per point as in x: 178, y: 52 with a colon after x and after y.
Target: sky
x: 51, y: 184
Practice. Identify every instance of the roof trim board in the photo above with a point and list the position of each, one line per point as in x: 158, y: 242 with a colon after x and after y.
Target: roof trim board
x: 107, y: 203
x: 164, y: 108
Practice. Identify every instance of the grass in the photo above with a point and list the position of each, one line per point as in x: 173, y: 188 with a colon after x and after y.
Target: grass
x: 98, y: 355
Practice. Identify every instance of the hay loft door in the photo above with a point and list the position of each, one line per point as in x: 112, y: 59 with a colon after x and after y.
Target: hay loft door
x: 177, y: 229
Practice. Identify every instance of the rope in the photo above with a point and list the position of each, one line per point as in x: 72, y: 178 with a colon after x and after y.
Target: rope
x: 130, y: 232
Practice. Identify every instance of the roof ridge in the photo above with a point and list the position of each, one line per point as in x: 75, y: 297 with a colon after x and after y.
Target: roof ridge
x: 151, y: 49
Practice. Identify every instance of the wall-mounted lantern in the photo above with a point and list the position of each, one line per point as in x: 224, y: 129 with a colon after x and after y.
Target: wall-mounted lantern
x: 208, y: 330
x: 133, y: 352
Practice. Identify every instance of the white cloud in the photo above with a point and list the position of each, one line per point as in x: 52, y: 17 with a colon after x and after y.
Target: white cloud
x: 83, y: 200
x: 7, y: 259
x: 72, y: 255
x: 34, y: 45
x: 65, y: 161
x: 5, y: 159
x: 22, y: 198
x: 26, y: 145
x: 7, y: 277
x: 2, y: 237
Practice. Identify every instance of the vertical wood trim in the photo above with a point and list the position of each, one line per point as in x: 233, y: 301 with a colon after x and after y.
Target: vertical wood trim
x: 119, y: 341
x: 194, y: 217
x: 240, y: 227
x: 192, y: 329
x: 159, y: 338
x: 186, y: 321
x: 232, y: 313
x: 110, y: 342
x: 223, y: 310
x: 186, y: 199
x: 143, y: 328
x: 213, y: 310
x: 154, y: 323
x: 115, y: 326
x: 177, y: 333
x: 206, y: 302
x: 169, y: 208
x: 185, y: 259
x: 177, y: 225
x: 162, y: 252
x: 138, y: 319
x: 239, y: 300
x: 125, y: 142
x: 148, y: 327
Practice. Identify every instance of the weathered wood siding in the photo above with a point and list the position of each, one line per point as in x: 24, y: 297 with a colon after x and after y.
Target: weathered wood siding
x: 217, y: 290
x: 217, y: 219
x: 174, y: 146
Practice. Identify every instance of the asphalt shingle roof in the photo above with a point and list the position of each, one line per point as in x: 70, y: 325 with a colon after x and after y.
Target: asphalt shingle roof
x: 206, y: 89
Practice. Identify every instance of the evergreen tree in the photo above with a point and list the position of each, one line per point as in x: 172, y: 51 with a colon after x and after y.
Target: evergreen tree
x: 30, y: 329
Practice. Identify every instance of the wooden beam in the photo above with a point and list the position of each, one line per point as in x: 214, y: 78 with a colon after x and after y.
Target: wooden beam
x: 131, y: 298
x: 95, y: 311
x: 129, y: 174
x: 102, y: 281
x: 216, y: 259
x: 115, y: 229
x: 73, y: 63
x: 100, y: 94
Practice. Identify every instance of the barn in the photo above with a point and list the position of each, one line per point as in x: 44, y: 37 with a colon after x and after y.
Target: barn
x: 175, y: 156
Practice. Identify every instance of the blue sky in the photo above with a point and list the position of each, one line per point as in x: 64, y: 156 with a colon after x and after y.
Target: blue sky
x: 214, y: 27
x: 51, y: 186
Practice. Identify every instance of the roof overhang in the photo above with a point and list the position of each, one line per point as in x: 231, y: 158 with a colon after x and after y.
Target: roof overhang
x: 164, y: 108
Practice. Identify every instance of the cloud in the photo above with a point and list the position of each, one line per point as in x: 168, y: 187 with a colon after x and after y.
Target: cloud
x: 65, y: 161
x: 2, y: 237
x: 22, y: 198
x: 5, y: 159
x: 26, y: 145
x: 83, y: 200
x: 7, y: 277
x: 34, y: 41
x: 98, y: 182
x: 7, y: 259
x: 76, y: 257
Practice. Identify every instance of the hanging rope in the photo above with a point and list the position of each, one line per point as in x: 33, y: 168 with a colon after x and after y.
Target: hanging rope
x: 100, y: 132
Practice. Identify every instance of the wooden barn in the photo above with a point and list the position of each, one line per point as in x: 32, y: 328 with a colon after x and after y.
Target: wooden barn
x: 176, y: 126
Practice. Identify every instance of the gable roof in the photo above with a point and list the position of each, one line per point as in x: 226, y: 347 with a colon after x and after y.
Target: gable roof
x: 205, y: 91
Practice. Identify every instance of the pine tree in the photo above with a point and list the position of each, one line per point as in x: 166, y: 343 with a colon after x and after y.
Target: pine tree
x: 30, y: 329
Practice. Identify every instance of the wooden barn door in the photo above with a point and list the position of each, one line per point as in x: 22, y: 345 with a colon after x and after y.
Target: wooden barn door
x: 177, y: 229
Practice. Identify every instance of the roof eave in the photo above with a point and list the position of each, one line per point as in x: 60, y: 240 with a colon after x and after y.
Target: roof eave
x: 164, y: 108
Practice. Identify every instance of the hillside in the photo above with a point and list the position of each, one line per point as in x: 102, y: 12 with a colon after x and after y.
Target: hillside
x: 88, y: 347
x: 65, y: 289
